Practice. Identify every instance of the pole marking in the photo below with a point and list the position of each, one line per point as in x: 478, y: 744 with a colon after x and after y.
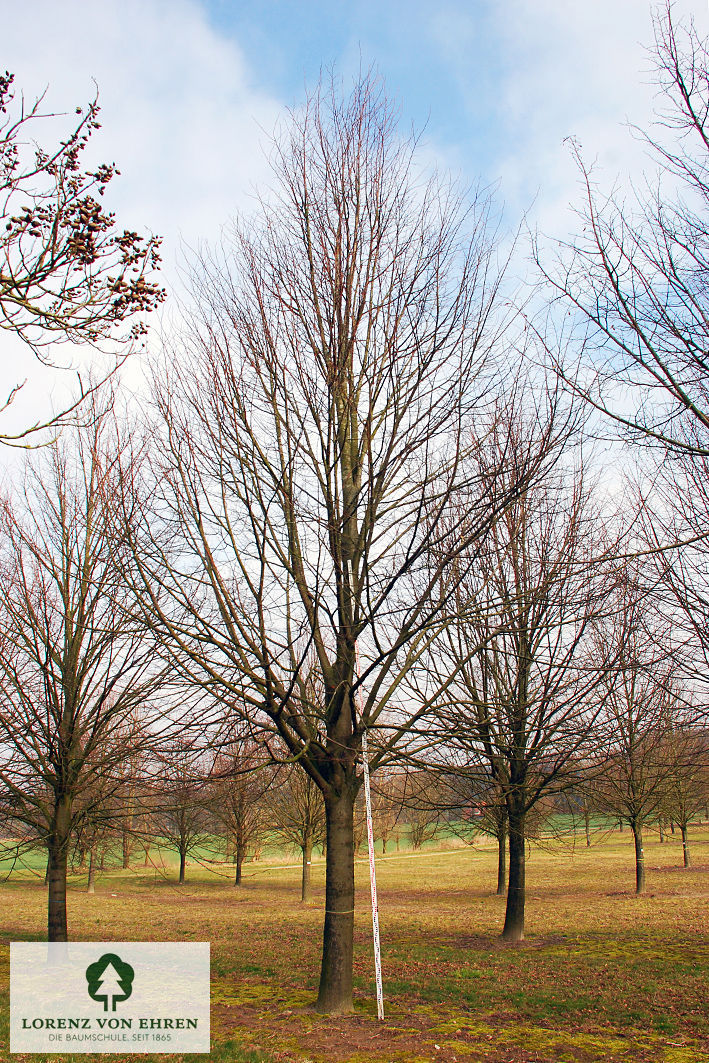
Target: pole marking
x: 373, y: 882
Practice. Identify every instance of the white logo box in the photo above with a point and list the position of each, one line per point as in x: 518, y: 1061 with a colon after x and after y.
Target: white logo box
x: 118, y: 996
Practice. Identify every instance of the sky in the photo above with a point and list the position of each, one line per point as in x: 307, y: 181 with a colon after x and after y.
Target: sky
x: 191, y: 89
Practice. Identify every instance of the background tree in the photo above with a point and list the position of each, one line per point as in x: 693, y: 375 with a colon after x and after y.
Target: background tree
x: 179, y: 816
x: 640, y: 713
x: 297, y: 817
x: 520, y: 651
x: 422, y: 800
x: 73, y: 666
x: 315, y: 437
x: 579, y: 799
x: 476, y: 805
x: 240, y: 779
x: 686, y: 790
x: 387, y: 790
x: 66, y: 271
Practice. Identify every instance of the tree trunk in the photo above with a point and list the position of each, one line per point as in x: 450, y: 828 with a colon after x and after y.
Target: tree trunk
x: 56, y: 886
x: 502, y: 858
x: 240, y: 854
x: 587, y: 827
x: 513, y: 929
x: 661, y: 824
x: 639, y: 857
x: 183, y: 861
x: 90, y: 888
x: 146, y: 846
x: 335, y: 993
x: 307, y: 849
x: 685, y: 846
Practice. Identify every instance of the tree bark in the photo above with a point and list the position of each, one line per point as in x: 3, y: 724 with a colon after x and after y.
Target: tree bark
x: 56, y: 886
x: 335, y: 993
x: 502, y: 858
x: 240, y: 854
x: 183, y: 862
x: 639, y: 857
x: 307, y: 849
x: 513, y: 929
x: 685, y: 846
x: 587, y: 827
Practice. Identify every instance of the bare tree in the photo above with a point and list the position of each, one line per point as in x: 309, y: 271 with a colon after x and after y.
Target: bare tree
x: 422, y: 799
x: 297, y: 816
x: 73, y: 666
x: 579, y: 799
x: 314, y: 439
x: 66, y: 272
x: 520, y: 652
x: 686, y: 787
x: 240, y: 778
x: 387, y: 792
x: 132, y: 770
x: 640, y: 711
x: 476, y: 805
x: 179, y: 815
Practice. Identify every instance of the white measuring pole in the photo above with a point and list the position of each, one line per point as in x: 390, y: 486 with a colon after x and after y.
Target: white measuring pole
x: 373, y: 881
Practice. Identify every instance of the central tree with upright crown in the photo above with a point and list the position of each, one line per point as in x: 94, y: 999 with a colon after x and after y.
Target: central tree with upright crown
x: 314, y: 478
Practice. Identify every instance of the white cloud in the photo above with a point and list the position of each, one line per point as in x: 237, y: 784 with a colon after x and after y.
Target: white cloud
x: 180, y: 111
x: 574, y: 69
x: 183, y: 112
x: 181, y: 116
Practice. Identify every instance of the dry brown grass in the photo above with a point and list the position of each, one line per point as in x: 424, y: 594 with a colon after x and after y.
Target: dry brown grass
x: 602, y: 976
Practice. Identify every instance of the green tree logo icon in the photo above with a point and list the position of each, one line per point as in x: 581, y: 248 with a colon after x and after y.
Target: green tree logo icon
x: 110, y: 980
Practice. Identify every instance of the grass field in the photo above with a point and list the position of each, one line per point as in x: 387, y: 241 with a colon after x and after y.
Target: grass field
x: 602, y: 976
